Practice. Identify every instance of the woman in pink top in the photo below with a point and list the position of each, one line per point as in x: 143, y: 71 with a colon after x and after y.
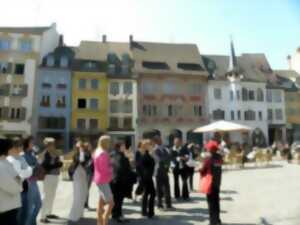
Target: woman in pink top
x: 102, y: 178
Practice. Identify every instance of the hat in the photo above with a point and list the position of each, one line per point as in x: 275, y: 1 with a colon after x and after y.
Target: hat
x: 212, y: 146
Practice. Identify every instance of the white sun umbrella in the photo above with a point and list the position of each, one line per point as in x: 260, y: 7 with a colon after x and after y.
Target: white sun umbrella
x: 222, y: 126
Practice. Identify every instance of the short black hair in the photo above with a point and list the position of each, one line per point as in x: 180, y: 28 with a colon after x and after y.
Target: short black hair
x: 5, y: 145
x: 26, y: 142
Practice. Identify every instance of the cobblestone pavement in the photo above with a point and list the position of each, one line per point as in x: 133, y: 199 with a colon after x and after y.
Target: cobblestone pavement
x: 250, y: 195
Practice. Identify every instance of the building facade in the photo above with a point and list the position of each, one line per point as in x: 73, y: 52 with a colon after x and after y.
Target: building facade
x: 53, y: 98
x: 89, y: 93
x: 294, y: 61
x: 122, y: 94
x: 21, y: 51
x: 172, y: 84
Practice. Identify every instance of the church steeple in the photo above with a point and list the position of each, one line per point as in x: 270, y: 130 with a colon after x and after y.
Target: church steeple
x: 233, y: 60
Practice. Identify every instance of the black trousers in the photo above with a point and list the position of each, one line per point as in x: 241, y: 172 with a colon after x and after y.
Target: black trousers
x: 139, y: 190
x: 9, y: 217
x: 213, y: 200
x: 183, y: 173
x: 118, y: 193
x: 163, y: 191
x: 191, y: 177
x: 148, y: 198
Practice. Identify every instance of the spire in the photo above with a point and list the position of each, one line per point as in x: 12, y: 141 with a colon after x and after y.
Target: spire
x: 233, y: 60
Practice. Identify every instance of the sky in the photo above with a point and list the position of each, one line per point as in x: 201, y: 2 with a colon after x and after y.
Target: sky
x: 256, y: 26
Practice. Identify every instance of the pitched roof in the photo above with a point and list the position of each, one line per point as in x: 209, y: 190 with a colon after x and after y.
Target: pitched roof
x: 26, y: 30
x: 96, y: 50
x: 178, y: 58
x: 289, y: 77
x: 253, y: 67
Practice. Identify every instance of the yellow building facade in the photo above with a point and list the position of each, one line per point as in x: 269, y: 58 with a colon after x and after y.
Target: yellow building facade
x: 89, y: 103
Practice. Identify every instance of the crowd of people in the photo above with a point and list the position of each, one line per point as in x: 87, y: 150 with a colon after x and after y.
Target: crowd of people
x: 117, y: 176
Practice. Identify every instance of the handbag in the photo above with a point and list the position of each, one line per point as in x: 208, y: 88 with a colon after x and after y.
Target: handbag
x: 39, y: 173
x: 206, y: 183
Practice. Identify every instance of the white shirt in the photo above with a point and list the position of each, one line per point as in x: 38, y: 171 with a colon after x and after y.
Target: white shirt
x: 10, y: 187
x: 20, y: 165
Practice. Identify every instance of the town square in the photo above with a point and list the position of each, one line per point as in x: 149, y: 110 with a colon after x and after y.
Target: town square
x: 150, y: 112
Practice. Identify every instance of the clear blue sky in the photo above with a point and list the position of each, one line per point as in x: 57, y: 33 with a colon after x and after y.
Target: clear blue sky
x: 268, y: 26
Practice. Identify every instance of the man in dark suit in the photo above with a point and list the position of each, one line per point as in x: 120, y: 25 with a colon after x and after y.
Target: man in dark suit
x: 162, y: 159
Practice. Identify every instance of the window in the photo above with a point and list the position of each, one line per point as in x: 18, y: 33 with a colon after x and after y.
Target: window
x: 269, y: 95
x: 251, y: 95
x: 12, y: 113
x: 61, y: 102
x: 94, y: 103
x: 249, y: 115
x: 195, y: 89
x: 81, y: 103
x: 277, y: 96
x: 64, y: 62
x: 217, y: 93
x: 114, y: 88
x: 278, y: 114
x: 197, y: 110
x: 82, y: 84
x: 260, y: 115
x: 127, y: 88
x: 18, y: 113
x: 113, y: 122
x: 148, y: 87
x: 16, y: 90
x: 127, y: 106
x: 244, y: 94
x: 260, y: 95
x: 232, y: 115
x: 5, y: 44
x: 1, y: 113
x: 46, y: 85
x: 5, y: 67
x: 89, y: 65
x: 93, y: 124
x: 239, y: 115
x: 25, y: 45
x: 238, y: 95
x: 114, y: 106
x: 154, y: 110
x: 170, y: 110
x: 127, y: 123
x: 145, y: 110
x: 231, y: 95
x: 50, y: 61
x: 169, y: 87
x: 218, y: 114
x: 94, y: 84
x: 81, y: 124
x: 270, y: 114
x: 19, y: 69
x: 61, y: 86
x: 45, y: 101
x: 52, y: 122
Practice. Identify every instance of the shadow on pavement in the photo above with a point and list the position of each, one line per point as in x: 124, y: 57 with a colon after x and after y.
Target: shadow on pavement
x: 229, y: 192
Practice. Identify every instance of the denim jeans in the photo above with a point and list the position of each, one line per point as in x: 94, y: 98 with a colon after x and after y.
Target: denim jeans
x: 23, y: 211
x: 34, y: 203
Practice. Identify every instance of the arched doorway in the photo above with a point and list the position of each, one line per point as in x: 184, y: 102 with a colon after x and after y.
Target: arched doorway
x: 193, y: 137
x: 258, y: 138
x: 174, y: 134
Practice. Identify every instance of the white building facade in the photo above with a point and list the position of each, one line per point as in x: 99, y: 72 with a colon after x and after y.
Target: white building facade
x: 21, y: 51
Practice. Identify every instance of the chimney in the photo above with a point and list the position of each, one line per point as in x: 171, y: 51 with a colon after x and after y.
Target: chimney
x: 289, y: 60
x: 61, y: 40
x: 104, y: 38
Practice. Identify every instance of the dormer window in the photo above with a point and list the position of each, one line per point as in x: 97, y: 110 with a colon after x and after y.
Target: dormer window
x: 155, y: 65
x: 64, y: 62
x: 50, y: 61
x: 189, y: 66
x: 90, y: 65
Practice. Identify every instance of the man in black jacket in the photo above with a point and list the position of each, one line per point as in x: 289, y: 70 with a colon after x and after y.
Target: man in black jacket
x: 120, y: 181
x: 163, y: 159
x: 180, y: 156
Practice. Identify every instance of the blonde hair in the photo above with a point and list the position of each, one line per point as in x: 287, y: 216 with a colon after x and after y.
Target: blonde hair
x: 103, y: 139
x: 48, y: 140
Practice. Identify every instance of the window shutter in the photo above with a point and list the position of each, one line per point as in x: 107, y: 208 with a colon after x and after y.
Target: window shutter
x: 24, y: 90
x: 5, y: 112
x: 23, y: 114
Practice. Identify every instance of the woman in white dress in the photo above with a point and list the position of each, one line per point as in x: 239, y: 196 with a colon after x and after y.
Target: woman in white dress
x: 81, y: 160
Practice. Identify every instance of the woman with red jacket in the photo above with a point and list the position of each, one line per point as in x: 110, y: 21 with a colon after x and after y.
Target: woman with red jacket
x: 213, y: 166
